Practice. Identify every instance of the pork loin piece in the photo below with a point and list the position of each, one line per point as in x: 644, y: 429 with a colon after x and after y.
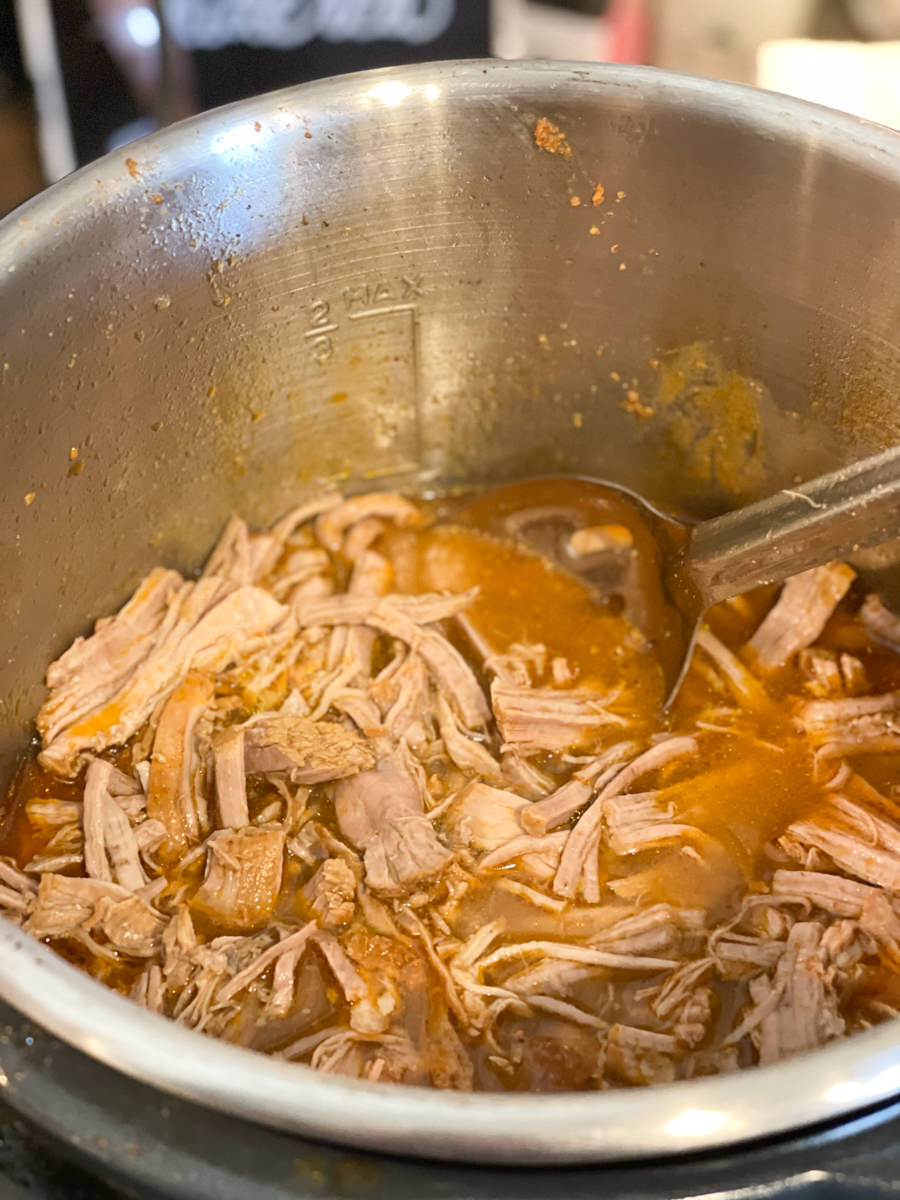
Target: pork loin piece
x: 179, y: 945
x: 365, y: 1015
x: 131, y: 926
x: 381, y: 812
x: 17, y: 892
x: 855, y: 725
x: 66, y: 904
x: 484, y: 817
x: 332, y: 893
x: 362, y: 536
x: 550, y: 977
x: 653, y: 930
x: 351, y: 646
x: 452, y: 674
x: 200, y: 631
x: 403, y: 697
x: 846, y: 943
x: 547, y: 719
x: 287, y: 526
x: 149, y: 988
x: 345, y: 608
x: 857, y: 840
x: 231, y: 780
x: 489, y: 819
x: 800, y: 613
x: 692, y: 1022
x: 524, y: 776
x: 583, y: 842
x: 638, y: 1056
x: 675, y: 994
x: 305, y: 751
x: 638, y: 822
x: 829, y: 674
x: 880, y: 621
x: 467, y: 754
x: 242, y: 557
x: 554, y: 810
x: 800, y: 1008
x: 230, y: 557
x: 842, y: 897
x: 111, y: 850
x: 303, y: 568
x: 95, y: 793
x: 331, y: 525
x: 746, y: 687
x: 250, y: 964
x: 243, y: 877
x: 173, y: 791
x: 92, y: 668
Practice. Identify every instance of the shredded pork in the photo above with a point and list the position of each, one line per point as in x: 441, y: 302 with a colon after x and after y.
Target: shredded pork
x: 309, y: 803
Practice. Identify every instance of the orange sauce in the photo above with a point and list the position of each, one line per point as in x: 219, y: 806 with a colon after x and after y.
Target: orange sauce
x: 19, y: 838
x: 749, y: 780
x: 524, y: 599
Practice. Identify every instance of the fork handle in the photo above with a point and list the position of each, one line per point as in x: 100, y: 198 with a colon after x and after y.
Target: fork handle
x: 795, y: 529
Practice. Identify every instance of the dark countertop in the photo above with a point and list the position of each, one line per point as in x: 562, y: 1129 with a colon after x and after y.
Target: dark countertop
x: 30, y: 1168
x: 152, y: 1146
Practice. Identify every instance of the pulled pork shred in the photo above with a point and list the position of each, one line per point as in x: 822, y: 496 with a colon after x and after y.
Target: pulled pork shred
x: 312, y: 820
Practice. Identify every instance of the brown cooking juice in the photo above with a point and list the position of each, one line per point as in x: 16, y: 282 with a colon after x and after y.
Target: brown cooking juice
x: 432, y: 824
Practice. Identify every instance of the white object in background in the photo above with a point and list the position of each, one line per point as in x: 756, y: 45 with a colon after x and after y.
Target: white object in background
x: 862, y: 78
x: 719, y: 39
x: 37, y: 37
x: 527, y: 29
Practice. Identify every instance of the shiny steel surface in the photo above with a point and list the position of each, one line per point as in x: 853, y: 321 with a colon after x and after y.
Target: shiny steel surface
x: 173, y: 1148
x: 830, y: 517
x: 227, y: 314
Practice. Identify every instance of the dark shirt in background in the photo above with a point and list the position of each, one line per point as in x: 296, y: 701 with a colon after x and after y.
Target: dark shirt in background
x: 224, y: 50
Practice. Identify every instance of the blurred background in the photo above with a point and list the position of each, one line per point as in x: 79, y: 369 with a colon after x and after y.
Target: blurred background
x: 81, y: 77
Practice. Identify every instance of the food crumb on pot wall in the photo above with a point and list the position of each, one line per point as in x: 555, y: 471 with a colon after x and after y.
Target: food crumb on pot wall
x: 551, y: 138
x: 634, y: 405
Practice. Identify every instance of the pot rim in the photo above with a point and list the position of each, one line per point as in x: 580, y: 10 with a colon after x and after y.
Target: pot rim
x: 677, y: 1118
x: 181, y: 144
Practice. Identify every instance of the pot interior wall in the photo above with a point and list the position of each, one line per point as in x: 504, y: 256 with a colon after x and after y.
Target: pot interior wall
x: 384, y: 278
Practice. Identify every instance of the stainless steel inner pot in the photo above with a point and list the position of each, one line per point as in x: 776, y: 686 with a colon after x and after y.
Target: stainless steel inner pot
x: 383, y: 278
